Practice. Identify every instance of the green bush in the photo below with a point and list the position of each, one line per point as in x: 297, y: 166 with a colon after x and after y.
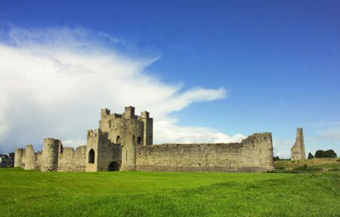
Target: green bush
x: 330, y: 153
x: 310, y: 156
x: 325, y: 154
x: 276, y: 158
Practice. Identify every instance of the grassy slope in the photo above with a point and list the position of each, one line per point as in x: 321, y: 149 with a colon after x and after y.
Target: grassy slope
x: 33, y: 193
x: 313, y: 164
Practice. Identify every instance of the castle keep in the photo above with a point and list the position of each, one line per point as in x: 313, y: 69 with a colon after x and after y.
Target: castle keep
x: 124, y: 142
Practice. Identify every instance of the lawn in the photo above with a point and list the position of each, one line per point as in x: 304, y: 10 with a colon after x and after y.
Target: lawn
x: 34, y: 193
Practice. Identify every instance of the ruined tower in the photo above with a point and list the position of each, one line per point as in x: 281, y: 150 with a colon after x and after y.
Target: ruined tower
x: 50, y: 154
x: 113, y: 145
x: 19, y: 152
x: 102, y: 154
x: 148, y: 128
x: 30, y: 161
x: 298, y: 149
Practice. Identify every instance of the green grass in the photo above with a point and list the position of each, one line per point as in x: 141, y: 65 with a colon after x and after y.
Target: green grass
x: 313, y: 165
x: 33, y: 193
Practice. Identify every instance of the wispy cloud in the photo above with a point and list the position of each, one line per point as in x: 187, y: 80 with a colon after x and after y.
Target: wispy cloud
x: 282, y: 148
x: 53, y: 83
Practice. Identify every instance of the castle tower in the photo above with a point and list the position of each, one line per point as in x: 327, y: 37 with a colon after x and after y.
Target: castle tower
x: 19, y: 152
x: 119, y: 134
x: 148, y: 128
x: 30, y: 161
x: 50, y: 155
x: 94, y: 142
x: 298, y: 149
x: 101, y: 154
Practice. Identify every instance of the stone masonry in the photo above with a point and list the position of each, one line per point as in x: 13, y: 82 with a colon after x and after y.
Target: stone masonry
x: 298, y: 149
x: 124, y: 142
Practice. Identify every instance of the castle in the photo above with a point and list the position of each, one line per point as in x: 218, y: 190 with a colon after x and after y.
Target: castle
x: 124, y: 142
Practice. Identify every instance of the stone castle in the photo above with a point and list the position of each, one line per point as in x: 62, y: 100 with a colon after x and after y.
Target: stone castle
x: 124, y: 142
x: 298, y: 149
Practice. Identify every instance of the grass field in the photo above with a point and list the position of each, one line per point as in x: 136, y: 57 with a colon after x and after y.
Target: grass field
x: 33, y: 193
x: 315, y: 164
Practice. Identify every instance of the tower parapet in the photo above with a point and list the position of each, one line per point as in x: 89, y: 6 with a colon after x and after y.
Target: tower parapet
x: 105, y: 112
x: 129, y: 112
x: 148, y: 128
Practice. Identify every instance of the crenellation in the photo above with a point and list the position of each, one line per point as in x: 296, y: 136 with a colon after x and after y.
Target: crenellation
x: 144, y: 114
x: 129, y: 112
x: 105, y: 112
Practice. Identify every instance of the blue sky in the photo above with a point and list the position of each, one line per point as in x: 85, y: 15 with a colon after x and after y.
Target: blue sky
x: 277, y: 61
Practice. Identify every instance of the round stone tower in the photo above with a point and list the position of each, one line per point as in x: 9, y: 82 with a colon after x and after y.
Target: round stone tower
x: 50, y: 155
x: 18, y: 156
x: 30, y: 163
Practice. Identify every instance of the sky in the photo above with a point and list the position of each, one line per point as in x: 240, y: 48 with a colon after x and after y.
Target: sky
x: 207, y: 71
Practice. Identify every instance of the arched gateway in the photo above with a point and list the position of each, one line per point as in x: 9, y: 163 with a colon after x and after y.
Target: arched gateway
x: 114, y: 166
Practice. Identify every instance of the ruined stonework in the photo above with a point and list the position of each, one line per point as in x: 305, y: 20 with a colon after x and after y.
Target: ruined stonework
x: 31, y: 158
x: 50, y: 154
x: 298, y: 149
x: 18, y: 155
x: 70, y: 159
x: 102, y: 154
x: 252, y: 154
x: 124, y: 142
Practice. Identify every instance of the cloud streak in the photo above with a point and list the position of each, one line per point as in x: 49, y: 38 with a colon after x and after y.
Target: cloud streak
x: 53, y: 83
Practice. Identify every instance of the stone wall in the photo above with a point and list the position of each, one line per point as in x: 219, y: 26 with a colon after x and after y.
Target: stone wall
x: 72, y: 160
x: 254, y: 154
x: 124, y: 142
x: 39, y: 160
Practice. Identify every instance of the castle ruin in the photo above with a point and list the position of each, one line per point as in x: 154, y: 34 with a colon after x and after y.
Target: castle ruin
x: 124, y: 142
x: 298, y: 149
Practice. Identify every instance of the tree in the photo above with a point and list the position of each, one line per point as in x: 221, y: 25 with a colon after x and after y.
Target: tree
x: 329, y: 153
x: 322, y: 154
x: 276, y: 158
x: 319, y: 154
x: 310, y: 156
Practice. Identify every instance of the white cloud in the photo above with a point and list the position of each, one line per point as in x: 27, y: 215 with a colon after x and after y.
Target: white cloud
x: 282, y: 148
x: 172, y: 133
x: 53, y: 83
x: 332, y: 134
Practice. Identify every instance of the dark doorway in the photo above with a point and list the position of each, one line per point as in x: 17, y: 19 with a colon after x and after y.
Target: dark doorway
x: 114, y: 166
x: 91, y: 156
x: 139, y: 140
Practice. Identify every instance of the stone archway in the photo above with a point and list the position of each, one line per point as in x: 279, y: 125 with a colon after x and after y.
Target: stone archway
x: 114, y: 166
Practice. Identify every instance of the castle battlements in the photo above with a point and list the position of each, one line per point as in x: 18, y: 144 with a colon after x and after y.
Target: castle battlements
x: 129, y: 113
